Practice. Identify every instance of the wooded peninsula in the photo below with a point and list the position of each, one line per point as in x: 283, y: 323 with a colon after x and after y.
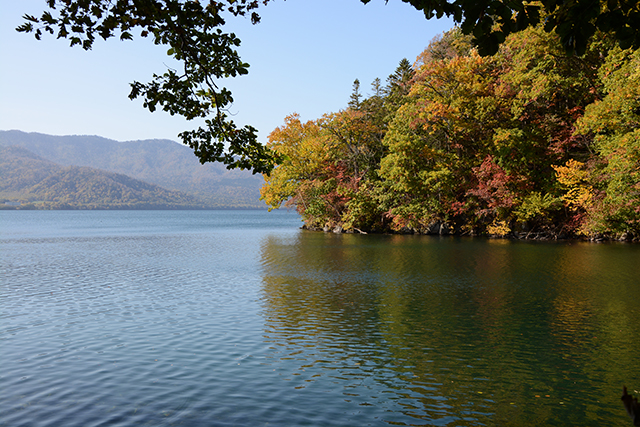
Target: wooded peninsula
x: 530, y: 142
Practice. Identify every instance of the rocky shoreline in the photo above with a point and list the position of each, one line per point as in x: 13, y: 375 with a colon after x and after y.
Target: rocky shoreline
x: 444, y: 229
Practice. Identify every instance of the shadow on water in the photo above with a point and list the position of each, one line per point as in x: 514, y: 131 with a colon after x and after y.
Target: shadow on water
x: 456, y: 332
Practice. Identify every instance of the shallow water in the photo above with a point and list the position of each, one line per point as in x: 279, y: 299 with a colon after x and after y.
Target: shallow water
x: 238, y: 318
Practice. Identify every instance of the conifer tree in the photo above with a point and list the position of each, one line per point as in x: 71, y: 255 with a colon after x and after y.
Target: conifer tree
x: 356, y: 96
x: 399, y: 83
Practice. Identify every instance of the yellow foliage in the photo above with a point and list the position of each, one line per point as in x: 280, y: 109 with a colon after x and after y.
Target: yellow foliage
x: 574, y: 177
x: 304, y: 150
x: 499, y: 228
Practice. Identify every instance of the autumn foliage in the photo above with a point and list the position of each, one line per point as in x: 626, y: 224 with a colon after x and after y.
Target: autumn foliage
x: 527, y: 142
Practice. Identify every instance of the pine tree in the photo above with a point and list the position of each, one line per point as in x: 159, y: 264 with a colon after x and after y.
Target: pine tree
x: 378, y: 90
x: 399, y: 83
x: 356, y: 96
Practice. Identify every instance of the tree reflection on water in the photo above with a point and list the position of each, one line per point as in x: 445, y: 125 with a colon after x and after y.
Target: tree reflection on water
x: 453, y: 331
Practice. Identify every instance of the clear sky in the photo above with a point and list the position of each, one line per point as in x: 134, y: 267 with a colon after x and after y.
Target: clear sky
x: 304, y: 57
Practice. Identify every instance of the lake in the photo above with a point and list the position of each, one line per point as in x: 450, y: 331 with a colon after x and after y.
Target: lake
x: 239, y: 318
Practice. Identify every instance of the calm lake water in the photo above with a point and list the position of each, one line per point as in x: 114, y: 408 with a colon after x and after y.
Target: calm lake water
x: 238, y: 318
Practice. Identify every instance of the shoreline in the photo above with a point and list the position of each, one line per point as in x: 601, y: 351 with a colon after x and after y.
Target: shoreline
x: 544, y: 235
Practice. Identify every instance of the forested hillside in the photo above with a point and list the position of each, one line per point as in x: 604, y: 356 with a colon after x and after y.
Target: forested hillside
x: 33, y: 182
x: 160, y: 162
x: 530, y: 142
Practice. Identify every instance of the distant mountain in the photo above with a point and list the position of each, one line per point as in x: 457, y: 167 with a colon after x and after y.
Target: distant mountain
x: 161, y: 162
x: 33, y: 181
x: 21, y: 169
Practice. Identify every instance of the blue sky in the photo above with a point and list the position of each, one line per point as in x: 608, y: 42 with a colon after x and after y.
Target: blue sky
x: 304, y: 57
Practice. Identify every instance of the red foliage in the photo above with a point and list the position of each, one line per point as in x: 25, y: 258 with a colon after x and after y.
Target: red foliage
x: 493, y: 184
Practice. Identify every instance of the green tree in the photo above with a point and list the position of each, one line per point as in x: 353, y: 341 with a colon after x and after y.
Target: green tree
x: 192, y: 31
x: 305, y: 177
x: 477, y: 138
x: 433, y: 139
x: 575, y: 22
x: 530, y: 139
x: 326, y: 169
x: 614, y: 124
x: 399, y: 83
x: 376, y: 86
x: 447, y: 45
x: 356, y: 97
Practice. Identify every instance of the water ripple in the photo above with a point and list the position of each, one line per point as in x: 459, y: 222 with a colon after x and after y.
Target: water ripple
x: 229, y: 327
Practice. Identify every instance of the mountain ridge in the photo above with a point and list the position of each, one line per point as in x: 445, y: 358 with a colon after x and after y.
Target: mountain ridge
x: 29, y: 181
x: 164, y: 163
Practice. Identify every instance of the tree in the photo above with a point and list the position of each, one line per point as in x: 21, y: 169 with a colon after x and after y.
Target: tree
x: 434, y: 138
x: 575, y: 22
x: 447, y: 45
x: 356, y: 96
x: 376, y: 86
x: 399, y: 82
x: 476, y: 140
x: 309, y: 173
x: 192, y: 32
x: 614, y: 124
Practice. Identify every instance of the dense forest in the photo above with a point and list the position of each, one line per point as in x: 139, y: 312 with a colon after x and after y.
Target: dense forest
x: 531, y: 143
